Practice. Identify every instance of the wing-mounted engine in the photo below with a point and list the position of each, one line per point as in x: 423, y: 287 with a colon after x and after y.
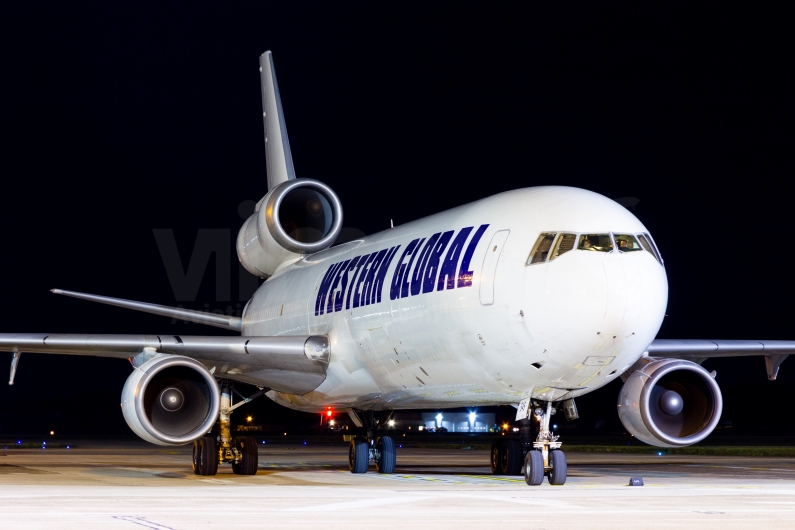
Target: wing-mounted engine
x: 670, y: 403
x: 170, y: 400
x: 297, y: 217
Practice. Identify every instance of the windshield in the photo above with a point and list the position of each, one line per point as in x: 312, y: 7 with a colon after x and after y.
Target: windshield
x: 649, y: 247
x: 541, y: 248
x: 626, y: 243
x: 595, y: 242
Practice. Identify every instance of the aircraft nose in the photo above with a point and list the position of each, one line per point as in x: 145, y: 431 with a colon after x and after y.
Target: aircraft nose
x: 588, y: 296
x: 624, y: 292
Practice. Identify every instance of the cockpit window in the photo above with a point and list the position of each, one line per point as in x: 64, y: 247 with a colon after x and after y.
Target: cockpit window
x: 648, y: 245
x: 541, y: 248
x: 595, y: 242
x: 626, y: 243
x: 564, y: 243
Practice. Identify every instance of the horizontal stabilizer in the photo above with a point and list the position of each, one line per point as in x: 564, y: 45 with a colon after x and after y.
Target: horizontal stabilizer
x: 189, y: 315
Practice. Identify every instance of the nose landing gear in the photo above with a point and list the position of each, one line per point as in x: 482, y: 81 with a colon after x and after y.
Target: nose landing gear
x: 545, y: 457
x: 534, y: 459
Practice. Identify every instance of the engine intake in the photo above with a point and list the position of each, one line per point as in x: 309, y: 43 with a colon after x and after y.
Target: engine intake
x: 670, y: 403
x: 170, y: 400
x: 297, y: 217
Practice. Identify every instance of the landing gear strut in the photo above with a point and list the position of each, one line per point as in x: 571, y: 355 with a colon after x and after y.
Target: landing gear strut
x: 545, y: 457
x: 535, y: 454
x: 240, y: 451
x: 363, y: 449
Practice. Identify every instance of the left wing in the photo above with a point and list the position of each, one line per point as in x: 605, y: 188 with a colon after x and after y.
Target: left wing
x: 774, y: 351
x: 295, y: 365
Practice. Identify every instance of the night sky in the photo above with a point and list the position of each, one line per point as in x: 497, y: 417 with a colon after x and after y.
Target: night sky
x: 119, y: 121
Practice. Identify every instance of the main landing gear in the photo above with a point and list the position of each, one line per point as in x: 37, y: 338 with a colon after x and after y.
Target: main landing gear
x: 534, y: 459
x: 240, y: 451
x: 378, y: 449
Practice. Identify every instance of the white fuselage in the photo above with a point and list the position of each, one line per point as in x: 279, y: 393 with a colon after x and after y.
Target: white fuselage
x: 490, y: 331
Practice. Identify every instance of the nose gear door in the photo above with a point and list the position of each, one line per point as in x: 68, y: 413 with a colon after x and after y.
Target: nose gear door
x: 489, y: 271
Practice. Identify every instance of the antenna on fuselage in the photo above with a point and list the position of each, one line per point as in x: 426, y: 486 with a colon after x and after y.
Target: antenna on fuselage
x: 279, y: 159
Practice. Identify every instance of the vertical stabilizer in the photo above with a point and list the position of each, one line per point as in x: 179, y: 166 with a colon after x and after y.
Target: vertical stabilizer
x: 277, y: 147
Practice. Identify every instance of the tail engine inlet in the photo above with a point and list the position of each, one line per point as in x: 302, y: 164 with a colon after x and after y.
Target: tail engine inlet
x: 170, y: 400
x: 670, y: 403
x: 297, y: 217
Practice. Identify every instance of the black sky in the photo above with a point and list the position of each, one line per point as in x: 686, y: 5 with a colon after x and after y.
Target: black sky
x: 120, y: 120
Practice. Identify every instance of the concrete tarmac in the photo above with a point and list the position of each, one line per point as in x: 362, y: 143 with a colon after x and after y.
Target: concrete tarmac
x: 128, y: 486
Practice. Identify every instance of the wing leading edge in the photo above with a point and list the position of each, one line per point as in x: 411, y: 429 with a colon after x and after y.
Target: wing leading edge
x: 774, y: 351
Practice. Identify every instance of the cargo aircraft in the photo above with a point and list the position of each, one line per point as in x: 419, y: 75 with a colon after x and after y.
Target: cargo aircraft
x: 532, y: 298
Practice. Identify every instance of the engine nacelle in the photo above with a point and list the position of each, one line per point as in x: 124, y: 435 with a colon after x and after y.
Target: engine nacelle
x: 170, y: 400
x: 297, y: 217
x: 670, y: 403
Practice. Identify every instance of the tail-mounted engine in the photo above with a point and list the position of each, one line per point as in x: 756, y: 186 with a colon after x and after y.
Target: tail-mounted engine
x: 297, y: 217
x: 170, y: 400
x: 670, y: 403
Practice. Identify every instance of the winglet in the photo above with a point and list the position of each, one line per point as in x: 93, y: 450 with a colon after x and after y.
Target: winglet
x: 278, y: 157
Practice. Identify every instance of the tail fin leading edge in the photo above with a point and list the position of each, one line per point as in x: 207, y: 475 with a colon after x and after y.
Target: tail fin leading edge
x: 277, y: 147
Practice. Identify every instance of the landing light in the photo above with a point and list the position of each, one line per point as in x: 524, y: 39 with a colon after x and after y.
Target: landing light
x: 472, y: 417
x: 420, y: 428
x: 331, y: 422
x: 52, y: 433
x: 504, y: 426
x: 249, y: 418
x: 391, y: 423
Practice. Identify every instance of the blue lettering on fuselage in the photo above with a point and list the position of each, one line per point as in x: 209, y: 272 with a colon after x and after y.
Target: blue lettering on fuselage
x: 426, y: 265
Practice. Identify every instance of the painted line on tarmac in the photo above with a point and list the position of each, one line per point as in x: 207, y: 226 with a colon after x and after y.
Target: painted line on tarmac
x: 140, y: 521
x: 348, y: 506
x: 459, y: 479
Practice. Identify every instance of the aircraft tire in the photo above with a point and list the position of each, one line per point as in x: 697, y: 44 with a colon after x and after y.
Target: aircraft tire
x: 386, y: 464
x: 249, y: 462
x: 496, y: 456
x: 511, y: 457
x: 359, y: 456
x: 205, y: 456
x: 559, y: 468
x: 534, y: 468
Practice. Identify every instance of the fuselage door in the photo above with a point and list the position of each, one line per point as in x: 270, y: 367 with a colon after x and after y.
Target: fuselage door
x: 489, y: 271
